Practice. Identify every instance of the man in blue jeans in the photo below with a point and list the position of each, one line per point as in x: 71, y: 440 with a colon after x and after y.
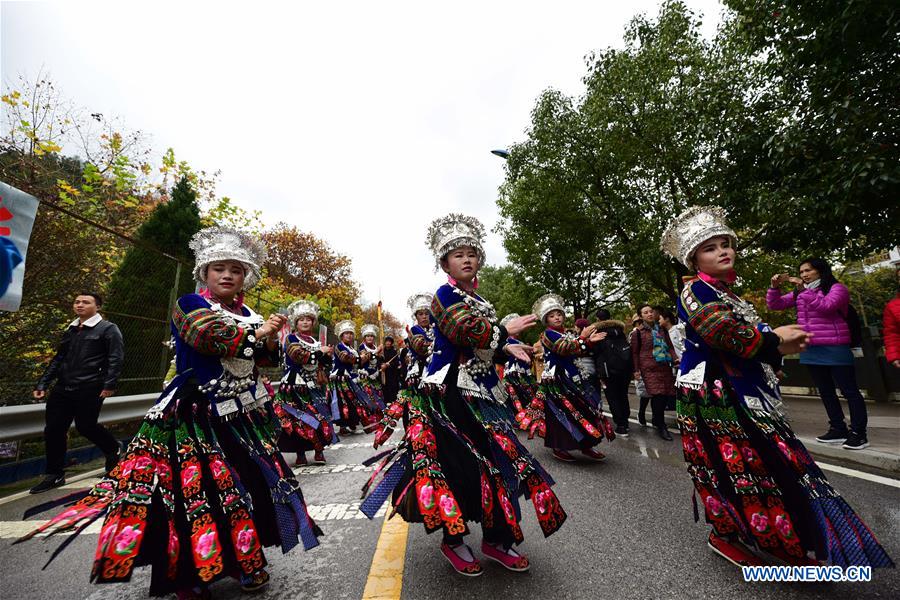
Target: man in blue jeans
x: 86, y: 369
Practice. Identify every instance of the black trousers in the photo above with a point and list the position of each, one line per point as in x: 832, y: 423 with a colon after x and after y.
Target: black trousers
x: 824, y: 378
x: 658, y: 406
x: 81, y: 405
x: 617, y: 398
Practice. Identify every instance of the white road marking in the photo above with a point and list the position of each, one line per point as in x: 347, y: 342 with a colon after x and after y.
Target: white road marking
x: 330, y: 469
x: 859, y: 474
x: 332, y: 511
x: 824, y: 466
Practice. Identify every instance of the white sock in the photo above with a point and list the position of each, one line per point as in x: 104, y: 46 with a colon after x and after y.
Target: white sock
x: 464, y: 552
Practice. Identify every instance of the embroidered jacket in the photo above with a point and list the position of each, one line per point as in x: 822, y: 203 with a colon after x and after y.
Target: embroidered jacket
x: 725, y: 338
x: 346, y: 360
x: 513, y: 364
x: 466, y: 333
x: 370, y: 368
x: 219, y: 351
x: 419, y: 347
x: 560, y: 352
x: 302, y: 358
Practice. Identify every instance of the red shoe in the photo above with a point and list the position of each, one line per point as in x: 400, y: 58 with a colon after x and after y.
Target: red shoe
x: 594, y: 455
x: 562, y: 455
x: 733, y: 553
x: 463, y: 567
x: 509, y: 558
x: 301, y: 460
x: 319, y: 458
x: 343, y: 431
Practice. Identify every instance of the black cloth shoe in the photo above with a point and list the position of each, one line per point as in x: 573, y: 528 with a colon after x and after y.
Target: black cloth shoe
x: 833, y: 436
x: 622, y: 430
x: 856, y: 441
x: 49, y: 482
x: 663, y: 432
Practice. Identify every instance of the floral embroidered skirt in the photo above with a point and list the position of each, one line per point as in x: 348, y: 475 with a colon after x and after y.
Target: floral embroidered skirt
x: 758, y: 483
x: 195, y: 497
x: 457, y: 465
x: 566, y: 415
x: 351, y: 405
x: 373, y: 389
x: 521, y: 389
x: 303, y: 426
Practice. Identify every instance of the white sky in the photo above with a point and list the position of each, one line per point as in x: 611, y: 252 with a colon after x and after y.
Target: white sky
x: 358, y: 121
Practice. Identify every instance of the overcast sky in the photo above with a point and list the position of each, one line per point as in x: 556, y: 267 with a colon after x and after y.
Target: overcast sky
x: 358, y: 121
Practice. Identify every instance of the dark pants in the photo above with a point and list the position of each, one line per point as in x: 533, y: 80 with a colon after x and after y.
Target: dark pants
x: 81, y: 405
x: 658, y: 406
x: 617, y: 398
x: 824, y: 378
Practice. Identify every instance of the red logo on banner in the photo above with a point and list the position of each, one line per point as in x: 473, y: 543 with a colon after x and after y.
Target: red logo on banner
x: 5, y: 215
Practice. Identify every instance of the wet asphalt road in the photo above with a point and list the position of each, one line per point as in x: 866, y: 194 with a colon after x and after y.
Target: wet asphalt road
x: 630, y: 534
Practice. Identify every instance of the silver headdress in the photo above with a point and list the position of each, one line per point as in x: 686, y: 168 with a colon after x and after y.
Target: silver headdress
x: 368, y: 329
x: 691, y: 228
x: 343, y: 327
x: 223, y: 243
x: 418, y: 302
x: 508, y: 318
x: 452, y: 232
x: 546, y: 304
x: 302, y: 308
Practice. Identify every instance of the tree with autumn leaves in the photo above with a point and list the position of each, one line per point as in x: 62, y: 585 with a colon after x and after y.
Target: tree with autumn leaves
x: 301, y: 265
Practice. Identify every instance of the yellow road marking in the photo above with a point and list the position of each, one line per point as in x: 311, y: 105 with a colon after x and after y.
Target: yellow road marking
x: 385, y: 579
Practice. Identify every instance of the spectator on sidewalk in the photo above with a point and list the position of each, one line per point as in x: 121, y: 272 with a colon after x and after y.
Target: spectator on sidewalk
x: 669, y: 321
x: 614, y: 368
x: 892, y: 328
x: 86, y: 370
x: 639, y: 390
x: 654, y: 357
x: 823, y: 306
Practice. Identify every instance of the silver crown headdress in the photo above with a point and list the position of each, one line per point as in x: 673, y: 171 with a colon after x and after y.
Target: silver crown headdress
x: 302, y: 308
x: 546, y: 304
x: 418, y: 302
x: 508, y: 318
x: 691, y: 228
x: 452, y: 232
x: 343, y: 327
x: 223, y: 243
x: 368, y: 329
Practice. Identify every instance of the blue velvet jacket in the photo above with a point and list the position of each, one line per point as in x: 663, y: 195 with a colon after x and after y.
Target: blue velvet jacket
x: 726, y: 339
x: 218, y: 352
x: 560, y: 352
x: 468, y: 334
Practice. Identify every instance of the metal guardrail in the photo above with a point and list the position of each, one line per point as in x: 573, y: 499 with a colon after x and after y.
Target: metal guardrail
x: 27, y: 420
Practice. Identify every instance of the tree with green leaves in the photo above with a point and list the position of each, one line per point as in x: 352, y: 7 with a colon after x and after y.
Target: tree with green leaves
x: 826, y: 78
x: 591, y: 189
x: 144, y: 286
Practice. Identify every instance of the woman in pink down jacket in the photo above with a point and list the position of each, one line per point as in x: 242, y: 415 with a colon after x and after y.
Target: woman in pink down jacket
x: 892, y: 328
x: 822, y: 305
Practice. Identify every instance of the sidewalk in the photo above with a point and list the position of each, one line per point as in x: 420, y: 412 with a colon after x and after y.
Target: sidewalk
x: 806, y: 415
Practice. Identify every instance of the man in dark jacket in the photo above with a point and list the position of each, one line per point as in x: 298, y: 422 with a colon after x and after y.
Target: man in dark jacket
x: 614, y: 368
x: 86, y: 370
